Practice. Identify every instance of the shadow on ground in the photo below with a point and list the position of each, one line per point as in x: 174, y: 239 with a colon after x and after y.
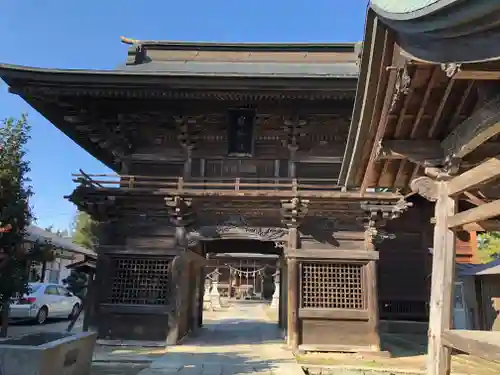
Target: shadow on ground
x: 235, y: 332
x: 179, y: 363
x: 117, y: 368
x: 404, y: 345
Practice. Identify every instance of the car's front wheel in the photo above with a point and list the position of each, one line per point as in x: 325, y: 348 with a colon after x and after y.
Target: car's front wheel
x: 42, y: 315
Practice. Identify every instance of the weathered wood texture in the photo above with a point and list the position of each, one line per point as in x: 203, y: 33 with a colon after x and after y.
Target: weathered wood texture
x: 409, y: 243
x: 443, y: 270
x: 287, y: 184
x: 477, y: 343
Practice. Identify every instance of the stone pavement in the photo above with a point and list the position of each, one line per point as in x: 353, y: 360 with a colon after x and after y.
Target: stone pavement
x: 239, y: 339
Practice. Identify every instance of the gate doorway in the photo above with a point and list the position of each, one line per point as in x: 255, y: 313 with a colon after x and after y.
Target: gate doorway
x: 241, y: 272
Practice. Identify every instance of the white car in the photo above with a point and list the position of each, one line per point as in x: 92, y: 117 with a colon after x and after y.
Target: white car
x: 44, y: 301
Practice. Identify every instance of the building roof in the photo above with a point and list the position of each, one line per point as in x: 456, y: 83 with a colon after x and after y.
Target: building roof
x: 34, y: 233
x: 242, y: 59
x: 491, y: 268
x: 77, y: 100
x: 444, y: 31
x: 405, y: 107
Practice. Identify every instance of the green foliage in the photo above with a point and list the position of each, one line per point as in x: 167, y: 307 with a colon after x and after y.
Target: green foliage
x: 15, y: 215
x: 84, y: 234
x: 84, y: 230
x: 15, y: 212
x: 76, y: 283
x: 489, y: 246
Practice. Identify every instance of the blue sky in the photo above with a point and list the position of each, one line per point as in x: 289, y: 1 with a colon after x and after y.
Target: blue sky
x: 85, y: 34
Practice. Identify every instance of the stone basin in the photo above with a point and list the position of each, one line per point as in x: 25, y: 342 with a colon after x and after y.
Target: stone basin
x: 47, y: 353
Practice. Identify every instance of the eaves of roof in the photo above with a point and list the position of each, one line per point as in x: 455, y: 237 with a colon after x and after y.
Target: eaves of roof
x: 157, y: 72
x: 364, y: 121
x: 34, y: 234
x: 444, y: 31
x: 242, y: 47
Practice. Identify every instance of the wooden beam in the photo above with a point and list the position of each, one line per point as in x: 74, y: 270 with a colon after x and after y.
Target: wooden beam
x: 429, y: 152
x: 476, y: 214
x: 318, y: 159
x: 483, y: 344
x: 381, y: 104
x: 374, y: 58
x: 482, y: 125
x: 425, y: 152
x: 482, y: 226
x: 475, y: 177
x: 477, y: 75
x: 431, y: 133
x: 472, y: 198
x: 443, y: 268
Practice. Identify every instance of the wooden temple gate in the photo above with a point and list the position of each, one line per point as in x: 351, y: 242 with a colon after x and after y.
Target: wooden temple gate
x: 252, y: 152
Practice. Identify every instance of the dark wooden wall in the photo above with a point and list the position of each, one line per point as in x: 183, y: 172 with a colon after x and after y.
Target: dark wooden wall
x: 158, y: 151
x: 405, y: 263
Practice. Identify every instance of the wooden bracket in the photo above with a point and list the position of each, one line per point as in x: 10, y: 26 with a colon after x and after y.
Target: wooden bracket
x: 293, y: 211
x: 180, y: 210
x: 403, y: 83
x: 426, y: 187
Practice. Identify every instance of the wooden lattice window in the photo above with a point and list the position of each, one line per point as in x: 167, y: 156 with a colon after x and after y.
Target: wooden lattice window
x: 332, y: 286
x: 139, y: 281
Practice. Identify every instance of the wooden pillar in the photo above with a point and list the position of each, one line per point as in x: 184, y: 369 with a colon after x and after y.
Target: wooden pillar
x: 443, y: 269
x: 291, y: 161
x: 282, y: 305
x: 229, y: 282
x: 88, y: 306
x: 175, y: 301
x: 188, y: 162
x: 372, y: 291
x: 293, y: 322
x: 284, y: 295
x: 373, y: 318
x: 293, y: 292
x: 200, y: 296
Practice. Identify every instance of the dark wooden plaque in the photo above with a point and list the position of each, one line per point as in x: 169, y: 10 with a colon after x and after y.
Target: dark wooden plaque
x: 240, y: 132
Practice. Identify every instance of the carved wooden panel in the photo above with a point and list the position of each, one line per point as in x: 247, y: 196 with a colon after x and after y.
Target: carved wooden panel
x: 239, y: 168
x: 136, y: 281
x: 333, y: 286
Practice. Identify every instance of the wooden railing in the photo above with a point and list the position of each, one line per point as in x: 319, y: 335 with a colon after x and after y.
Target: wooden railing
x: 147, y: 183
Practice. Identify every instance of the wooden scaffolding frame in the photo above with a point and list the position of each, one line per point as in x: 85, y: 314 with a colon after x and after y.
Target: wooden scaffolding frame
x: 442, y: 338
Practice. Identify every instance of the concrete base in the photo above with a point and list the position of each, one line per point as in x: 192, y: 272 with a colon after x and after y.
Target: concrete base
x: 47, y: 353
x: 207, y: 301
x: 276, y: 296
x: 215, y: 296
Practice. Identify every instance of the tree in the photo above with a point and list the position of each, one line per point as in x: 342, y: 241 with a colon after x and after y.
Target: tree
x: 489, y: 246
x: 15, y: 215
x: 77, y: 283
x: 84, y: 234
x: 84, y: 230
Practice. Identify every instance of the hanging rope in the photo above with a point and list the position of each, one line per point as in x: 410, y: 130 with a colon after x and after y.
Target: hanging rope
x: 246, y: 274
x: 213, y: 275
